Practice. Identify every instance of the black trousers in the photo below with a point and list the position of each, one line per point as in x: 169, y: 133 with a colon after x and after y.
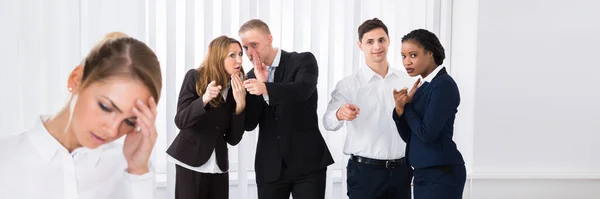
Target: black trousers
x: 367, y: 181
x: 192, y: 184
x: 440, y: 182
x: 311, y: 186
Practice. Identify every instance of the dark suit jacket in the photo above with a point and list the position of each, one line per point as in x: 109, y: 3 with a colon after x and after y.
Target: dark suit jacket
x: 204, y: 128
x: 427, y: 124
x: 289, y: 136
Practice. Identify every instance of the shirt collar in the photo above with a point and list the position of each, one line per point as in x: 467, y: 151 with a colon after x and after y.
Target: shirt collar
x: 277, y: 58
x: 368, y: 73
x: 43, y: 142
x: 432, y: 75
x: 47, y: 146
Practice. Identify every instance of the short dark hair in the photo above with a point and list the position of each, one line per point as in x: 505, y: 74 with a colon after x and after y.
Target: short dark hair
x: 369, y: 25
x: 429, y: 42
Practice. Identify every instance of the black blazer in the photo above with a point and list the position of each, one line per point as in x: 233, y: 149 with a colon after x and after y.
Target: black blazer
x: 203, y: 128
x: 289, y: 135
x: 427, y: 124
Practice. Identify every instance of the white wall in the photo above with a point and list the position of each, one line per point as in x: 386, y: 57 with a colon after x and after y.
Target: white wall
x: 536, y: 96
x: 532, y: 96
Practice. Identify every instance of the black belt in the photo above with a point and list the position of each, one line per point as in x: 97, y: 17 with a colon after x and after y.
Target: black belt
x: 390, y: 164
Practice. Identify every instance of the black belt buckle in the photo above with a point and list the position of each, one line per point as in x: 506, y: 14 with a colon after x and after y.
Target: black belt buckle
x: 391, y: 164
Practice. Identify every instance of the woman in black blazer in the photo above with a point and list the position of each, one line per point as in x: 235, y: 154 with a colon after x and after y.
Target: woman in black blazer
x: 425, y: 119
x: 210, y: 114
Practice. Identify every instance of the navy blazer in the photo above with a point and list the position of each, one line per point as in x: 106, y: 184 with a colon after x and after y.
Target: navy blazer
x: 427, y: 125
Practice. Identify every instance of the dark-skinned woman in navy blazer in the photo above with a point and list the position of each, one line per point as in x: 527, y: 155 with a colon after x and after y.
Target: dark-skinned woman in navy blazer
x: 425, y: 117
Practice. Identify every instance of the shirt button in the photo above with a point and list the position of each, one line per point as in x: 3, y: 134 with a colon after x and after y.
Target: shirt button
x: 276, y: 118
x: 279, y: 137
x: 218, y: 127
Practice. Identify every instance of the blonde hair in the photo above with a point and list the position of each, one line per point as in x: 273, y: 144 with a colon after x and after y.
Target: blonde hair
x: 213, y: 67
x: 255, y: 24
x: 120, y: 55
x: 107, y: 37
x: 123, y: 56
x: 114, y: 35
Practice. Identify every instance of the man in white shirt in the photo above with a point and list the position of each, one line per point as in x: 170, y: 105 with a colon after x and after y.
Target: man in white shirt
x: 377, y: 167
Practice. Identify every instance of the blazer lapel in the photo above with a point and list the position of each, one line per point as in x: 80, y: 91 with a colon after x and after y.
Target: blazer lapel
x: 425, y: 85
x: 230, y: 99
x: 420, y: 91
x: 285, y: 56
x: 442, y: 72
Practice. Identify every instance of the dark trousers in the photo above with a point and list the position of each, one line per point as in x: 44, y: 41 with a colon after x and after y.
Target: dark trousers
x: 311, y: 186
x: 440, y: 182
x: 367, y: 181
x: 192, y: 184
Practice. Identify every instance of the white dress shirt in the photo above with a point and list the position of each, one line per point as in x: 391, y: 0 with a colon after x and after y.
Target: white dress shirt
x: 211, y: 164
x: 373, y: 134
x: 35, y: 165
x: 271, y: 70
x: 430, y: 76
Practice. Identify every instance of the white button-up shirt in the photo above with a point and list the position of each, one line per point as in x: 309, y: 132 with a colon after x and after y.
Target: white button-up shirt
x: 373, y: 134
x: 430, y: 76
x: 35, y: 165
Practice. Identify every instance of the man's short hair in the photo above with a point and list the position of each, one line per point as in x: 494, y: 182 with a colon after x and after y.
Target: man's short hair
x: 369, y: 25
x: 255, y: 24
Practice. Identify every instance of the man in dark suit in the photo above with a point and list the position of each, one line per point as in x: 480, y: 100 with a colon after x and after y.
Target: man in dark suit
x: 291, y: 155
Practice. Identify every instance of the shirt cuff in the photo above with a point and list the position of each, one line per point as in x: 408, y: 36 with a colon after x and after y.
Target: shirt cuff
x: 331, y: 121
x: 140, y: 186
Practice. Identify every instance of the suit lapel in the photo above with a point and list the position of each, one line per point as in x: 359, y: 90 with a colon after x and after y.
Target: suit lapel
x: 420, y: 91
x: 230, y: 95
x: 442, y: 72
x: 285, y: 56
x: 425, y: 85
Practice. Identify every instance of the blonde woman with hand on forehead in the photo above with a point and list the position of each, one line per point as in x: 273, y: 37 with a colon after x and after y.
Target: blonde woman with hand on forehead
x: 71, y: 154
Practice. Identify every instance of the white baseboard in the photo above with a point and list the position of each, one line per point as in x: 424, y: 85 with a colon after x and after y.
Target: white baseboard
x: 161, y: 179
x: 533, y: 176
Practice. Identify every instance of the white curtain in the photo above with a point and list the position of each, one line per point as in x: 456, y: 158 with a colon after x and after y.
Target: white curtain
x: 326, y: 28
x: 43, y: 40
x: 40, y: 41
